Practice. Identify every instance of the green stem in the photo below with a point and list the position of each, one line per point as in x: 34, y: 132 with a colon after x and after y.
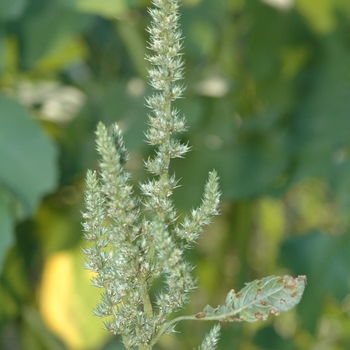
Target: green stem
x: 221, y: 317
x: 167, y: 325
x: 166, y: 157
x: 147, y: 305
x: 145, y: 347
x: 195, y: 317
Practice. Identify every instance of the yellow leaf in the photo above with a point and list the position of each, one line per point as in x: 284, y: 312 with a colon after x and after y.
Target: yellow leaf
x: 66, y: 301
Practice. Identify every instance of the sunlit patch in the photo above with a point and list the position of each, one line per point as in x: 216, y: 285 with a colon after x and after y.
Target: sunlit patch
x: 55, y: 102
x: 280, y: 4
x: 213, y: 87
x: 136, y: 87
x: 65, y: 300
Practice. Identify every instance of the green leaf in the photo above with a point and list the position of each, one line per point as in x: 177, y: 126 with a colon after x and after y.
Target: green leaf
x: 270, y: 295
x: 27, y: 155
x: 325, y: 259
x: 7, y: 222
x: 320, y: 132
x: 39, y: 332
x: 61, y: 26
x: 246, y: 170
x: 267, y: 338
x: 106, y: 8
x: 11, y: 9
x: 2, y: 49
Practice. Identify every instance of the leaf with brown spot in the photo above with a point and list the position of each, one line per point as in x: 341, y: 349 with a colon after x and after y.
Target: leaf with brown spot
x: 270, y: 295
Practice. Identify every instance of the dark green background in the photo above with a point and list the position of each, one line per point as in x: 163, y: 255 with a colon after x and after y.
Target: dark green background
x: 268, y: 106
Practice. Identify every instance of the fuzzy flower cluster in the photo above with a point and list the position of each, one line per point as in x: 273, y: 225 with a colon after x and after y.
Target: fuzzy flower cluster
x: 137, y: 240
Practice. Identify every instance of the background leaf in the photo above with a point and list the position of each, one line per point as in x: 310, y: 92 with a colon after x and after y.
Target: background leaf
x: 11, y: 9
x: 325, y: 259
x: 7, y: 223
x: 27, y: 155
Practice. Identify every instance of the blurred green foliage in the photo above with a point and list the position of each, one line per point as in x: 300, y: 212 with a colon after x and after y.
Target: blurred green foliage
x: 268, y: 105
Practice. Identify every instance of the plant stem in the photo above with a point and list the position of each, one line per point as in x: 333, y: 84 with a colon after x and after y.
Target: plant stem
x: 145, y: 347
x: 146, y: 301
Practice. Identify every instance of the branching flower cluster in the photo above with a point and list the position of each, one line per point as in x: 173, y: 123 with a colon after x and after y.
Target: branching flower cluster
x: 137, y: 240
